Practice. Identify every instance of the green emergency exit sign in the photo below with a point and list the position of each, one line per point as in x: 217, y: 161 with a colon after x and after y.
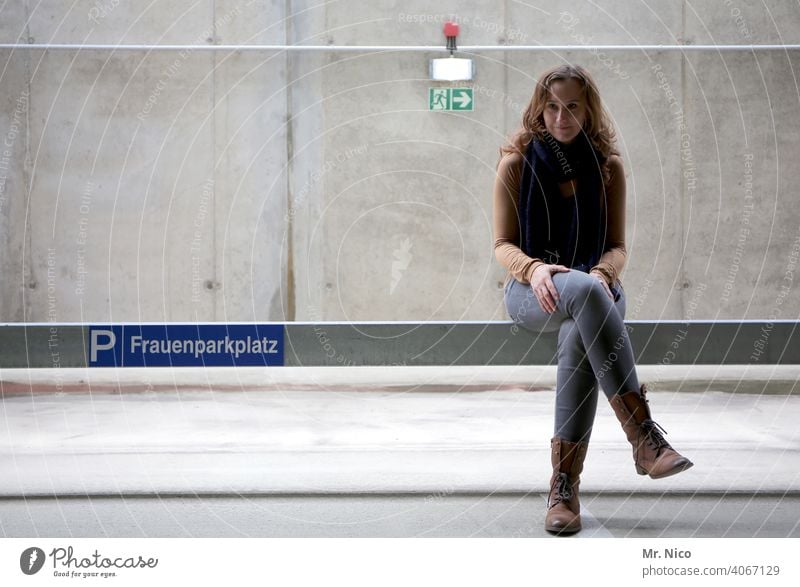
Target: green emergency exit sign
x: 450, y: 99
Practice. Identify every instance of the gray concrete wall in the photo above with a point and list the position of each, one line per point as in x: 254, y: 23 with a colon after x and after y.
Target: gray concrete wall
x: 156, y: 185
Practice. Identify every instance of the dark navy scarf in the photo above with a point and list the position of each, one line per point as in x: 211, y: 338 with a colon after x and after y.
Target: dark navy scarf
x: 567, y: 231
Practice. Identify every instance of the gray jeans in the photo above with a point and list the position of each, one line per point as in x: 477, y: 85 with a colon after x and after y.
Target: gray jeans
x: 593, y: 346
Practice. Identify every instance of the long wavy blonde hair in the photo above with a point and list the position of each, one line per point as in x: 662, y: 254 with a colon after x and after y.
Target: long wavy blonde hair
x: 598, y: 127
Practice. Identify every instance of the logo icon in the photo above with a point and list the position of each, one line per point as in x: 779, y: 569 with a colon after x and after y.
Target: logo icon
x: 31, y: 560
x: 402, y: 259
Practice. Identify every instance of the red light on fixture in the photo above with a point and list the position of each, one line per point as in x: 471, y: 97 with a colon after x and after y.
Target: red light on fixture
x: 450, y: 29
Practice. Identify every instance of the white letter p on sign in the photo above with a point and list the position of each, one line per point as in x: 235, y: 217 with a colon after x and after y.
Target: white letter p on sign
x: 111, y: 340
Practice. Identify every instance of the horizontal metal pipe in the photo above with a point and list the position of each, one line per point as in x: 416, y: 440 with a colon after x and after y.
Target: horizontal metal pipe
x: 417, y: 48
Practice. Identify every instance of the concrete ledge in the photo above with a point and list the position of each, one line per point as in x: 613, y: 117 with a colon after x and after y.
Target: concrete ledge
x: 439, y: 343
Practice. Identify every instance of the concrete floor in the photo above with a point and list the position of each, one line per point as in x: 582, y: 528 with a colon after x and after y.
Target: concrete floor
x: 399, y: 515
x: 159, y: 453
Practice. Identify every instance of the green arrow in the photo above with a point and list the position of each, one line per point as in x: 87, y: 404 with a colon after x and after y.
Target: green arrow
x: 463, y: 100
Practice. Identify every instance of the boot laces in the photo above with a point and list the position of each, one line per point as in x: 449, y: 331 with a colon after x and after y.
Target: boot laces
x: 564, y: 490
x: 653, y: 434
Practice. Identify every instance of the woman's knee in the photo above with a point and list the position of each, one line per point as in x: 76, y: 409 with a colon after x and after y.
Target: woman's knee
x: 581, y: 288
x: 524, y: 310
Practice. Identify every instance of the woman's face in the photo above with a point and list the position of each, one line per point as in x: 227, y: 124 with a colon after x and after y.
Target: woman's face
x: 565, y: 110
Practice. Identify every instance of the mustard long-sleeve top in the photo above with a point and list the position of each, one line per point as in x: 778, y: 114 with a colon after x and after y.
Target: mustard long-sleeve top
x: 506, y: 222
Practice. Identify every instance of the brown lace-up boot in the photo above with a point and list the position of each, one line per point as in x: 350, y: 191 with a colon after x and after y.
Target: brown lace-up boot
x: 563, y: 506
x: 652, y: 454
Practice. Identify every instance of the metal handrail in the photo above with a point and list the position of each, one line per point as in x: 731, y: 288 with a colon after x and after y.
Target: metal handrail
x: 418, y: 48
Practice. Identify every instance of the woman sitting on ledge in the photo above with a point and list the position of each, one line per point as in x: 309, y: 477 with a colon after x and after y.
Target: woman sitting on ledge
x: 559, y: 229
